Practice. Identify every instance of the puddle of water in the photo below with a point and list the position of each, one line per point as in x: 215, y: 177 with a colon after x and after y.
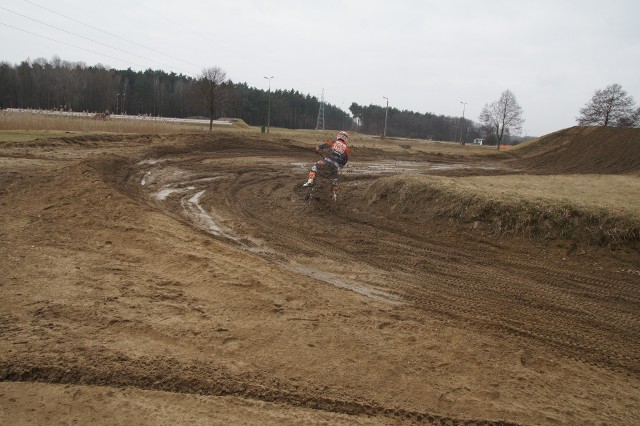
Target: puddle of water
x: 151, y: 161
x: 165, y: 192
x: 144, y: 178
x: 193, y: 207
x: 340, y: 282
x: 409, y: 167
x: 208, y: 179
x: 166, y: 176
x: 390, y: 167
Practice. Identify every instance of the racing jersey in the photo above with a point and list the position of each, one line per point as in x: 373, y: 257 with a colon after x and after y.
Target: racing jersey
x: 339, y: 151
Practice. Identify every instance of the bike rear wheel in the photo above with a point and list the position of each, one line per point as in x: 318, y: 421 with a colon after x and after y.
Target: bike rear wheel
x: 310, y: 195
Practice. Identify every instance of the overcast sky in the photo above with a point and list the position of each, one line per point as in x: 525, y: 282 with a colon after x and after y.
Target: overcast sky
x: 424, y: 55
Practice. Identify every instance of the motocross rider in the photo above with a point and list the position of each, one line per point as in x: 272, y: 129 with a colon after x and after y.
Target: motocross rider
x: 334, y: 161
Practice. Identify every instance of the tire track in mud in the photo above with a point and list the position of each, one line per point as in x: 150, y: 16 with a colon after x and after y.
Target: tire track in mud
x: 586, y: 315
x: 192, y: 190
x: 507, y: 287
x: 579, y: 328
x: 522, y: 294
x: 173, y: 375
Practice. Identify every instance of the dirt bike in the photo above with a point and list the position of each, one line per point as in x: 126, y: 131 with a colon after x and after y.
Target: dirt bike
x: 321, y: 187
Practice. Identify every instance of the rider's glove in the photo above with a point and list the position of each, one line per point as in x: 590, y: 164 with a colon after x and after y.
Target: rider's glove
x: 317, y: 150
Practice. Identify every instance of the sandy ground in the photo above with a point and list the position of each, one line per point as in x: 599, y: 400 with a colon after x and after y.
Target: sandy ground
x: 186, y: 280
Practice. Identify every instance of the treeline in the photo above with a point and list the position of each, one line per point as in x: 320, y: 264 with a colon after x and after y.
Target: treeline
x: 59, y: 84
x: 415, y: 125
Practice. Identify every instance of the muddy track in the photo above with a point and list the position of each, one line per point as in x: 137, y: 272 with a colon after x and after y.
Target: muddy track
x: 509, y: 286
x: 242, y: 203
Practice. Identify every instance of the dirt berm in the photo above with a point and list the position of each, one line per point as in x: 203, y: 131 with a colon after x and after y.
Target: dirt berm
x: 592, y: 150
x: 185, y: 279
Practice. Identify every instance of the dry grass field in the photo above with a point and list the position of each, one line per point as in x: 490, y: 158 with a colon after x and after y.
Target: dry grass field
x: 171, y: 275
x: 615, y: 193
x: 35, y: 121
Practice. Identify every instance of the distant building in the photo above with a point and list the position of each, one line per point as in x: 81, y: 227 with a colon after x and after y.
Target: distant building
x: 478, y: 141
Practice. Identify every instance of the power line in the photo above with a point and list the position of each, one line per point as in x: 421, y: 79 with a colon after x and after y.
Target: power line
x: 86, y: 38
x: 165, y: 18
x: 219, y: 45
x: 111, y: 34
x: 71, y: 45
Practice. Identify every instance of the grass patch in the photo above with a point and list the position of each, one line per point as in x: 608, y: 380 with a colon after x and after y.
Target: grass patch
x: 528, y: 206
x: 30, y: 135
x: 614, y: 193
x: 44, y: 121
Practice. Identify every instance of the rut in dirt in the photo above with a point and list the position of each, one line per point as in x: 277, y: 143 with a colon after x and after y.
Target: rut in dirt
x: 173, y: 375
x: 539, y: 294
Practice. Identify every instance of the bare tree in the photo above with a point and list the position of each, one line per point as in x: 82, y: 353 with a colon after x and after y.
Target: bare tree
x: 209, y: 85
x: 633, y: 120
x: 609, y: 107
x: 503, y: 115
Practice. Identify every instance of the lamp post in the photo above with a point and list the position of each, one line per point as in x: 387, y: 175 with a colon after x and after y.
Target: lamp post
x: 269, y: 107
x: 120, y: 106
x: 384, y: 133
x: 464, y: 105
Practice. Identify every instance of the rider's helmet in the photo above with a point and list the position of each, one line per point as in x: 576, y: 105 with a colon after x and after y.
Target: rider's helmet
x: 343, y: 136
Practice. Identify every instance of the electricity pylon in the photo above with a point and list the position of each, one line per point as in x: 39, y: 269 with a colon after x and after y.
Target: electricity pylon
x: 320, y: 123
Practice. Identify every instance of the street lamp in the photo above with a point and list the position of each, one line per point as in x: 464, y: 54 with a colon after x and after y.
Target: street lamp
x: 464, y: 105
x: 119, y: 108
x: 269, y: 108
x: 384, y: 133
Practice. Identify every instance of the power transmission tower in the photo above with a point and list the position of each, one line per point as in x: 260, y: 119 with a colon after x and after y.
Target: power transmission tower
x: 320, y: 123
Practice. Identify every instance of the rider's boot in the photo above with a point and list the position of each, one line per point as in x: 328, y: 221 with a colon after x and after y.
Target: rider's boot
x: 312, y: 176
